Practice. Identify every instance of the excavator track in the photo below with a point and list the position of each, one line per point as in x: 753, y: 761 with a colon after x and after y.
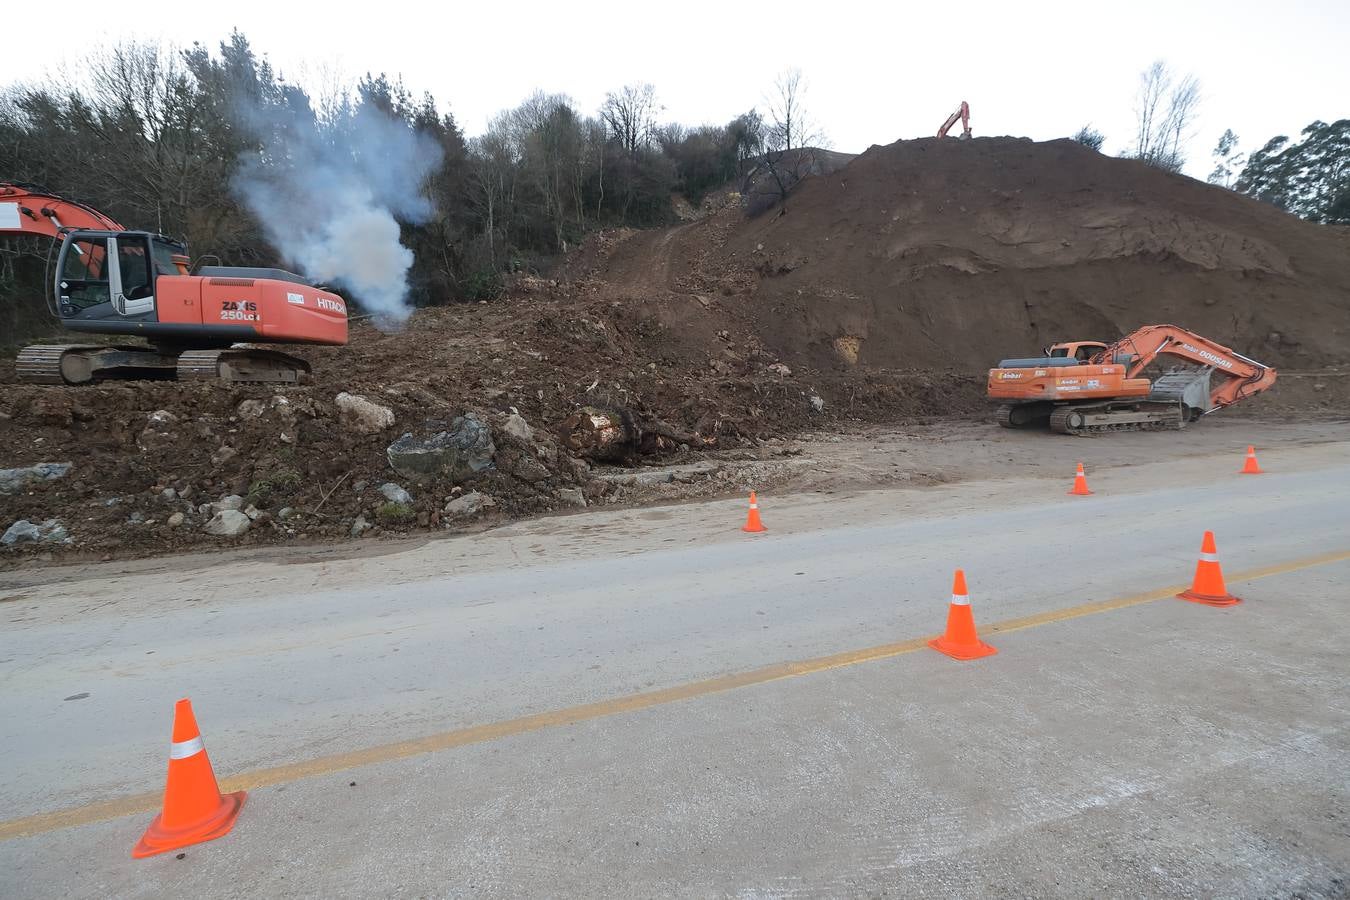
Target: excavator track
x: 83, y: 363
x: 242, y: 365
x: 1083, y: 419
x: 1023, y: 415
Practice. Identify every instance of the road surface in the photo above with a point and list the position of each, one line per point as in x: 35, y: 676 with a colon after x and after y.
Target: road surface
x: 650, y: 703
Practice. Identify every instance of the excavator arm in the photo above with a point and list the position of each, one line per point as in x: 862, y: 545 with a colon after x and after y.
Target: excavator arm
x: 1240, y: 377
x: 963, y: 114
x: 26, y: 209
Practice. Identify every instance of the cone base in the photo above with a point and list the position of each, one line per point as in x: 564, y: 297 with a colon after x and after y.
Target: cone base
x: 755, y: 528
x: 962, y: 651
x: 161, y: 840
x: 1251, y: 472
x: 1079, y: 493
x: 1209, y: 599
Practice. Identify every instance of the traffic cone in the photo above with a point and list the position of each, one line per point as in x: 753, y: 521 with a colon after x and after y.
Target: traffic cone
x: 194, y: 810
x: 752, y: 522
x: 1080, y: 488
x: 1208, y: 586
x: 1251, y: 467
x: 960, y: 641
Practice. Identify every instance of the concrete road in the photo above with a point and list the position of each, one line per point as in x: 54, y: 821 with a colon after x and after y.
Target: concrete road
x: 650, y: 703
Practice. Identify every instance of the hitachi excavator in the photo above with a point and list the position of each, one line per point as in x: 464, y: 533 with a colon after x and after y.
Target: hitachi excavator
x: 108, y: 280
x: 1089, y: 387
x: 963, y: 114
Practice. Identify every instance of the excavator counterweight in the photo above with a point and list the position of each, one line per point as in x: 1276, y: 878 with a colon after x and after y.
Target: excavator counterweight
x: 1088, y: 387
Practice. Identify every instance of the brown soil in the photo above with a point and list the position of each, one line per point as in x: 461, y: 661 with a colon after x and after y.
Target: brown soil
x: 887, y: 288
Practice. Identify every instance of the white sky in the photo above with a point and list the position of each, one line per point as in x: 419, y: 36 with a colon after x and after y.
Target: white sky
x: 876, y: 72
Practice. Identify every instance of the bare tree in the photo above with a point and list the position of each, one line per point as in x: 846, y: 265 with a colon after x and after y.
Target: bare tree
x: 1165, y: 111
x: 790, y: 136
x: 790, y: 125
x: 630, y: 115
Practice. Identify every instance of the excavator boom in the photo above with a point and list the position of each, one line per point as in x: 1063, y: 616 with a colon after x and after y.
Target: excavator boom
x: 963, y: 115
x: 1108, y: 390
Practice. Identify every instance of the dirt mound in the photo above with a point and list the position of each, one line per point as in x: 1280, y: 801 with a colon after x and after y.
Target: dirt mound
x: 932, y: 253
x: 881, y: 294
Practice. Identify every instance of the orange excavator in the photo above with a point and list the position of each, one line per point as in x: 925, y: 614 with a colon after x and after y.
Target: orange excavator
x: 106, y: 279
x: 1089, y: 387
x: 963, y: 114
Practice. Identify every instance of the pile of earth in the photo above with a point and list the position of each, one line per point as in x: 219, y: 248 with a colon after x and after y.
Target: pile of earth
x: 154, y: 464
x: 944, y: 253
x: 880, y: 294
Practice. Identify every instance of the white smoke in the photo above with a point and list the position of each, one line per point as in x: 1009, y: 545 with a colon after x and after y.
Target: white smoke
x: 330, y: 197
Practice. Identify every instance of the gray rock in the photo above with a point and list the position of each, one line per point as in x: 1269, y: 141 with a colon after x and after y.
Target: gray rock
x: 817, y: 403
x: 252, y: 512
x: 230, y: 501
x: 168, y: 495
x: 176, y: 519
x: 362, y: 416
x: 228, y: 523
x: 471, y: 504
x: 457, y: 454
x: 517, y: 427
x: 223, y: 455
x: 285, y: 513
x: 14, y: 480
x: 250, y: 409
x: 572, y: 497
x: 395, y: 494
x: 527, y: 468
x: 161, y: 418
x: 360, y: 526
x: 21, y: 532
x: 136, y: 518
x: 24, y: 531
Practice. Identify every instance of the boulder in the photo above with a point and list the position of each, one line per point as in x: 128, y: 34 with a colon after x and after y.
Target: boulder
x: 228, y: 523
x: 175, y: 520
x: 361, y: 415
x: 24, y: 531
x: 517, y: 427
x: 395, y: 494
x: 471, y: 504
x: 360, y: 526
x: 572, y: 497
x: 457, y: 454
x: 14, y: 480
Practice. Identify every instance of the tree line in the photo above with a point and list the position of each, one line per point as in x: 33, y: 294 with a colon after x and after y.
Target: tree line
x: 1309, y: 177
x: 153, y: 137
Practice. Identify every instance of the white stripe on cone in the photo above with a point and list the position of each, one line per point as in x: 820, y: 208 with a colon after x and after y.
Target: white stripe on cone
x: 184, y: 749
x: 1209, y: 557
x: 961, y: 599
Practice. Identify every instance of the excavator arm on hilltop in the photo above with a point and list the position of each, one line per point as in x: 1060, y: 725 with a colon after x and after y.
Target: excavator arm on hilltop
x: 962, y: 113
x: 1242, y: 377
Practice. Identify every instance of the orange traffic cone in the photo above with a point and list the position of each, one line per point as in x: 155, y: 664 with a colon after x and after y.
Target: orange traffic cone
x: 960, y: 641
x: 1080, y: 488
x: 752, y: 522
x: 1208, y: 586
x: 1251, y: 467
x: 194, y: 810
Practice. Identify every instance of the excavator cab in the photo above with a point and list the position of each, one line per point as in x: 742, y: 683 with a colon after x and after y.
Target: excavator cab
x: 1079, y: 350
x: 104, y: 275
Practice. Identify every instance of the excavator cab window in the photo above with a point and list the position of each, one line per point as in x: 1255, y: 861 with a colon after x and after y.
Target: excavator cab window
x: 84, y: 274
x: 163, y: 254
x: 1083, y: 354
x: 134, y: 263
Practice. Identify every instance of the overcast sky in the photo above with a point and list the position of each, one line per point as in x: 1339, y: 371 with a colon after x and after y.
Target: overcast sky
x: 875, y: 72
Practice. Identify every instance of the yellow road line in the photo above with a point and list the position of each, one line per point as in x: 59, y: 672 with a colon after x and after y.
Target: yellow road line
x: 325, y: 765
